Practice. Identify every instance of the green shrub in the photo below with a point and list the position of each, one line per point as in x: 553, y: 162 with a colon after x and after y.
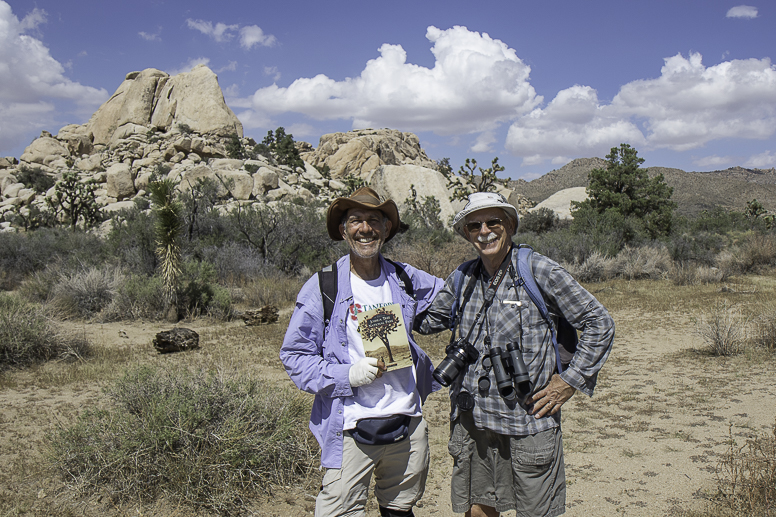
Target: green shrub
x: 24, y: 253
x: 208, y: 440
x: 28, y: 337
x: 35, y: 178
x: 540, y: 221
x: 200, y: 294
x: 131, y: 241
x: 137, y: 297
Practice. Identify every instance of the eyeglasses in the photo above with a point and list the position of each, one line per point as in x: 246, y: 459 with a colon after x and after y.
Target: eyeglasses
x: 476, y: 227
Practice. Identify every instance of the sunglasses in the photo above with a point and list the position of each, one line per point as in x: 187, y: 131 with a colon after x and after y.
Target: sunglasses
x: 475, y: 227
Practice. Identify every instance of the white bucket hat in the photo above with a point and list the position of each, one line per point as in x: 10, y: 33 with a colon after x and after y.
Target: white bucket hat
x: 479, y: 201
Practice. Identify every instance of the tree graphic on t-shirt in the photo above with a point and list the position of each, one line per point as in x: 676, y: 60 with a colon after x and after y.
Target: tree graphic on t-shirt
x: 381, y: 325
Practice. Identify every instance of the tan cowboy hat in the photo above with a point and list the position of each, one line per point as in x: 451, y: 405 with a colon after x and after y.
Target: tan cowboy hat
x: 364, y: 198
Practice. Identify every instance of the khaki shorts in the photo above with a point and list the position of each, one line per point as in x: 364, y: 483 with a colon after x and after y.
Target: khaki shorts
x: 400, y: 471
x: 521, y: 473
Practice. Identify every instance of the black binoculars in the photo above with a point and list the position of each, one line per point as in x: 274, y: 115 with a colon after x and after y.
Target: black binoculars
x: 459, y: 354
x: 512, y: 380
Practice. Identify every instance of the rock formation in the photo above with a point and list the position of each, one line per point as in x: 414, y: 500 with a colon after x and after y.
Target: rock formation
x: 180, y: 128
x: 152, y: 98
x: 360, y: 152
x: 560, y: 202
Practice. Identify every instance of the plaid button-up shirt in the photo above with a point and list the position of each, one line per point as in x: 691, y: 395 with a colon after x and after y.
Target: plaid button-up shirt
x: 523, y: 323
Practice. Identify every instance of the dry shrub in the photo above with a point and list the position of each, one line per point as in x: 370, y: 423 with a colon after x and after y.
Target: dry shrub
x: 753, y: 252
x: 691, y: 274
x: 278, y: 290
x: 437, y: 260
x: 208, y: 440
x: 86, y: 292
x: 595, y: 268
x: 723, y: 329
x: 764, y: 328
x: 27, y: 336
x: 644, y: 262
x: 746, y: 477
x: 137, y: 297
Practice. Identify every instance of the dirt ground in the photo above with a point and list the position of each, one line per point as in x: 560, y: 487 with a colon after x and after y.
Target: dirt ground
x: 647, y: 443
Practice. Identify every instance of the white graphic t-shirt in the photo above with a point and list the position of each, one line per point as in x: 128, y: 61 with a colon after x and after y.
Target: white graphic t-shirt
x: 395, y: 392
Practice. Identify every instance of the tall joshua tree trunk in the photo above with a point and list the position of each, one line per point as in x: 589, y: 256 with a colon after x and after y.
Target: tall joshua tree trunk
x: 168, y: 228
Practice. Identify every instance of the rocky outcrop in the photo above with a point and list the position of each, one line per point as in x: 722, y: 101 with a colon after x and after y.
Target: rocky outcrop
x: 179, y: 128
x: 394, y: 182
x: 359, y: 152
x: 152, y: 98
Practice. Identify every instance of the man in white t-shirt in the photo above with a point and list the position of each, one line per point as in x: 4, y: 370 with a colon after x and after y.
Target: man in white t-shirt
x: 368, y: 375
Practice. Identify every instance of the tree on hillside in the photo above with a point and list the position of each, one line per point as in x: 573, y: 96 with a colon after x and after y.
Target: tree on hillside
x: 624, y: 191
x: 283, y: 146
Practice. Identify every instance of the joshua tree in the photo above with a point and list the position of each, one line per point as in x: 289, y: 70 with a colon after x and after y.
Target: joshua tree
x: 168, y: 231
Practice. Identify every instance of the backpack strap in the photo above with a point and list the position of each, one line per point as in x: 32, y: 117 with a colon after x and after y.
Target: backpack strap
x: 327, y: 282
x: 458, y: 278
x: 405, y: 282
x: 529, y: 283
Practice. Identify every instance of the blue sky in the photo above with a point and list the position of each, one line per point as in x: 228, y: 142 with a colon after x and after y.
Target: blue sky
x: 689, y: 83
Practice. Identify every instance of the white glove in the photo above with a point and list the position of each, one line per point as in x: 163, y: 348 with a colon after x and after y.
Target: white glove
x: 363, y: 372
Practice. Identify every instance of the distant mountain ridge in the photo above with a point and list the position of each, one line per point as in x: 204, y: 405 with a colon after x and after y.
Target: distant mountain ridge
x: 693, y: 191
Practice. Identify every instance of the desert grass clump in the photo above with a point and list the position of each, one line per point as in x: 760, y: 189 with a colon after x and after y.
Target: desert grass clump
x: 273, y: 289
x: 28, y: 337
x: 764, y: 328
x: 137, y: 297
x: 746, y: 477
x: 596, y: 267
x: 692, y: 274
x: 86, y: 292
x: 207, y: 440
x: 651, y: 262
x: 723, y: 329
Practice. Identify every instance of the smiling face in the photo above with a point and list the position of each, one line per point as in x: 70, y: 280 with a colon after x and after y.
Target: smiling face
x: 365, y: 231
x: 493, y: 241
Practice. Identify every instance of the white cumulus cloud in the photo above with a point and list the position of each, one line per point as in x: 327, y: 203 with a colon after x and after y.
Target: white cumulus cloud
x: 219, y: 31
x: 686, y: 107
x: 742, y: 11
x: 476, y: 83
x: 32, y: 80
x: 764, y: 160
x: 252, y: 35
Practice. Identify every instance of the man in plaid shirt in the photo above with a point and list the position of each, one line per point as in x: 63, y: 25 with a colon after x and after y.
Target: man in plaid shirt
x: 505, y: 438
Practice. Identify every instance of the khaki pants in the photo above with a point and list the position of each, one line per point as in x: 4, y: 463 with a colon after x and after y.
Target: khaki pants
x: 400, y: 471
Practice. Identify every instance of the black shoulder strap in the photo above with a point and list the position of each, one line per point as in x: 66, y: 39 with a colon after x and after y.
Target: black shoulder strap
x: 404, y: 279
x: 327, y: 281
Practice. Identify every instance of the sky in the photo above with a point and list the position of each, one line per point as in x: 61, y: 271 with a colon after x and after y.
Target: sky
x: 689, y: 83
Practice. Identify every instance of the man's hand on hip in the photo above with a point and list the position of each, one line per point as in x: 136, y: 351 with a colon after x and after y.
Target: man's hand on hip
x: 549, y: 400
x: 364, y: 372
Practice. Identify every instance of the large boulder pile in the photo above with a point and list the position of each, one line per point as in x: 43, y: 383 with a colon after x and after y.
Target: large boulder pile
x: 360, y: 152
x: 180, y: 128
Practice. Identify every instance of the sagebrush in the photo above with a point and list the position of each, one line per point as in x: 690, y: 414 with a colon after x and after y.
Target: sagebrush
x: 208, y: 440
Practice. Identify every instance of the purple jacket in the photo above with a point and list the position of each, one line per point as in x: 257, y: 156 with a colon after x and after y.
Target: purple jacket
x: 320, y: 366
